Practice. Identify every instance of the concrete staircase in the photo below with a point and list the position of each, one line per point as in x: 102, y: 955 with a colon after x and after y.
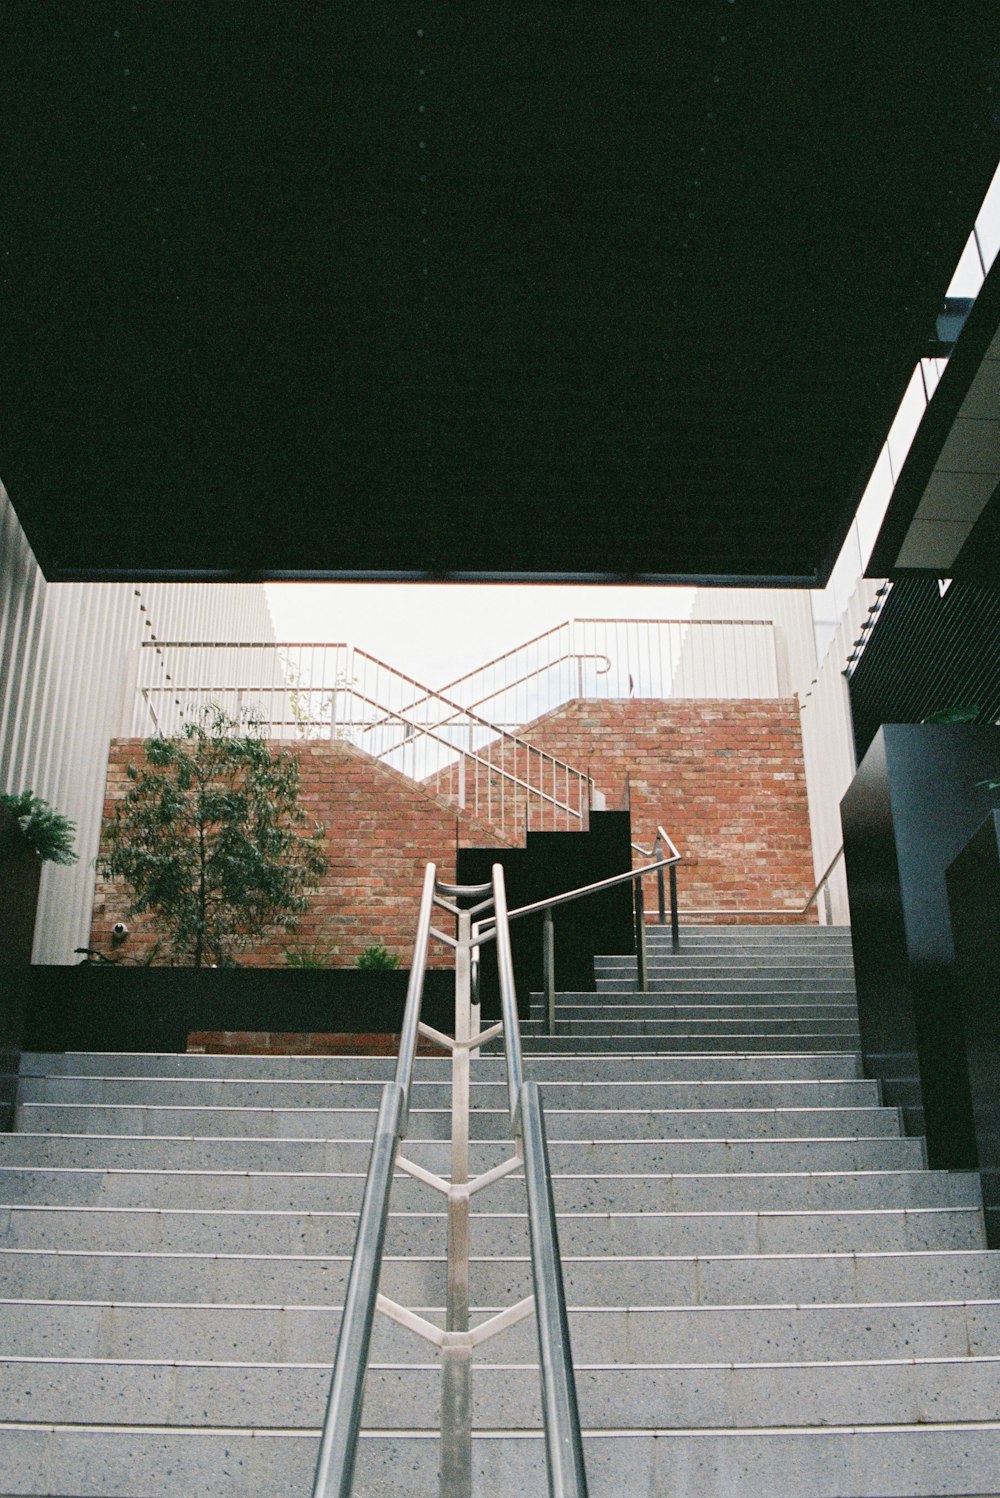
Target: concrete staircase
x: 771, y: 1295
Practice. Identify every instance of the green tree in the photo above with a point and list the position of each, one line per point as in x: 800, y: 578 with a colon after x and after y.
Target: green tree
x: 207, y: 840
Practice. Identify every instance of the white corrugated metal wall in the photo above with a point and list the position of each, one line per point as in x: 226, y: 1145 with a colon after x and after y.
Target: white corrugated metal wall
x: 66, y: 664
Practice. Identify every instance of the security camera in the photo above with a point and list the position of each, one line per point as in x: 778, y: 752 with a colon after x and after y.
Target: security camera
x: 119, y: 931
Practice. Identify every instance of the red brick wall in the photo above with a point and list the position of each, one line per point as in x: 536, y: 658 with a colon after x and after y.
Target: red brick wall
x: 381, y: 830
x: 725, y: 778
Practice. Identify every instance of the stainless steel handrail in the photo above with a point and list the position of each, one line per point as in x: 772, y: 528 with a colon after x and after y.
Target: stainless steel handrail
x: 475, y: 926
x: 794, y: 910
x: 633, y: 876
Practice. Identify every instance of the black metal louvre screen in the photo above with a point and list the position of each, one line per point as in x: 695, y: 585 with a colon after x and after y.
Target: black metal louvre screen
x: 927, y: 653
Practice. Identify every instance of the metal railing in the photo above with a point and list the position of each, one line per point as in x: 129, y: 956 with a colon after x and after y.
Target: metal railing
x: 315, y: 692
x: 633, y: 876
x: 483, y: 920
x: 795, y: 912
x: 620, y: 658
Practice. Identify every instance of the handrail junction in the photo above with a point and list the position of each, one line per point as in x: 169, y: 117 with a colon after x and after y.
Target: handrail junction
x: 483, y: 920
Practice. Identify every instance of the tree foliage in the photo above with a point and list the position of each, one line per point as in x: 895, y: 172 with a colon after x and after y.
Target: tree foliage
x: 208, y: 840
x: 35, y: 824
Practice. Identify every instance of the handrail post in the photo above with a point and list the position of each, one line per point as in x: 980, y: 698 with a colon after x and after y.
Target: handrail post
x: 456, y: 1362
x: 640, y: 938
x: 675, y: 934
x: 660, y: 892
x: 549, y: 969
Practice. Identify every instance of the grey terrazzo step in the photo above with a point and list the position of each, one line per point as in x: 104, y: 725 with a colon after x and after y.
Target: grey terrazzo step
x: 428, y: 1124
x: 720, y: 1191
x: 702, y: 1280
x: 658, y: 1044
x: 610, y: 1009
x: 702, y: 1334
x: 179, y: 1231
x: 711, y: 1027
x: 703, y: 1066
x: 743, y: 986
x: 921, y: 1461
x: 568, y: 1157
x: 237, y: 1091
x: 293, y: 1396
x: 771, y: 964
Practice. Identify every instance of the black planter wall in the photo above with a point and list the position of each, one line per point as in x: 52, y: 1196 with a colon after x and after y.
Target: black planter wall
x: 974, y: 898
x: 549, y: 864
x: 20, y: 876
x: 909, y: 811
x: 97, y: 1008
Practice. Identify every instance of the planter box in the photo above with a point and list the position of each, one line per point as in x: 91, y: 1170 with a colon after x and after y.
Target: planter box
x: 974, y: 897
x: 97, y: 1008
x: 19, y: 881
x: 909, y: 811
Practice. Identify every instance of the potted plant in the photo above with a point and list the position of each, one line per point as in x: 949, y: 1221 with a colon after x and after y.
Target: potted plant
x: 31, y: 833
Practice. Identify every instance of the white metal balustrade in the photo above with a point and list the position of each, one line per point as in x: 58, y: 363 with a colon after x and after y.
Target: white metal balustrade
x: 316, y: 692
x: 621, y: 658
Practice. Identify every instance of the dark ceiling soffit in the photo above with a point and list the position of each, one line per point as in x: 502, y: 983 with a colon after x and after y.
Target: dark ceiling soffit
x: 932, y: 434
x: 604, y: 579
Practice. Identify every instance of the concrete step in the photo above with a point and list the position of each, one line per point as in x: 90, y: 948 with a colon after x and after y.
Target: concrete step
x: 610, y: 1009
x: 568, y: 1157
x: 778, y: 1066
x: 293, y: 1396
x: 690, y: 1027
x: 288, y: 1124
x: 738, y: 1044
x: 779, y: 965
x: 496, y: 1277
x: 919, y: 1461
x: 746, y: 985
x: 261, y: 1093
x: 647, y: 1233
x: 625, y: 1004
x: 698, y: 1334
x: 722, y: 1192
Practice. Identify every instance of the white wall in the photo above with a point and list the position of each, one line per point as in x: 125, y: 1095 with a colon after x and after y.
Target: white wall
x: 791, y: 611
x: 67, y: 654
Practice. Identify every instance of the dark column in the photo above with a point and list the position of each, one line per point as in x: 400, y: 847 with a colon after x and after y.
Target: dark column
x: 912, y: 806
x: 974, y: 897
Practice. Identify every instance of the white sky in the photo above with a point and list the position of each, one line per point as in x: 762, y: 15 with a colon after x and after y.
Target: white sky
x: 435, y: 632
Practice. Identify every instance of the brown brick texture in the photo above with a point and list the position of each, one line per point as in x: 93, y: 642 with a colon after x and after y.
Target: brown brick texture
x: 726, y: 779
x: 381, y: 830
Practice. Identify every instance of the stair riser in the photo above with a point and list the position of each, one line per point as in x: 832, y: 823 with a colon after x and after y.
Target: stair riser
x: 734, y: 1026
x: 738, y: 983
x: 609, y: 1010
x: 212, y: 1094
x: 248, y: 1333
x: 246, y: 1191
x: 568, y: 1157
x: 295, y: 1397
x: 825, y: 1065
x: 779, y: 1280
x: 359, y: 1124
x: 910, y: 1462
x: 640, y: 1234
x: 734, y: 1045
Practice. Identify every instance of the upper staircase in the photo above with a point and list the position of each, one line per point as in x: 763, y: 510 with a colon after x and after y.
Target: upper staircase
x: 770, y: 1294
